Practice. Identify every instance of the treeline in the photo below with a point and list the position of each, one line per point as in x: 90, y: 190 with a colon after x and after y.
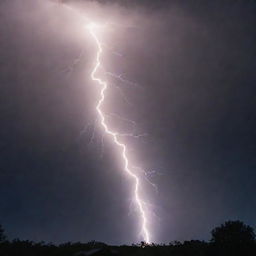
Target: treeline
x: 232, y: 238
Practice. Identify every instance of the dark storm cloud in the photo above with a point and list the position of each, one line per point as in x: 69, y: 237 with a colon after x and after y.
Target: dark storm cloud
x: 195, y: 65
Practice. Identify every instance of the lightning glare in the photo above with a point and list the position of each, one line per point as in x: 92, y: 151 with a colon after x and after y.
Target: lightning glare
x: 114, y: 135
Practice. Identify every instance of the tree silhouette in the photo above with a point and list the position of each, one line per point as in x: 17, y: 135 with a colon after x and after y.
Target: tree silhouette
x: 233, y: 232
x: 233, y: 238
x: 2, y: 235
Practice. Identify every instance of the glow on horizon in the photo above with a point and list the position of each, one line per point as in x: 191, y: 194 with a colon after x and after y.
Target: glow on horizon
x: 114, y: 135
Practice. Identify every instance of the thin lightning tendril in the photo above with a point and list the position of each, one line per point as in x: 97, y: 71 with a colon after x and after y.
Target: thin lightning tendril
x: 114, y: 135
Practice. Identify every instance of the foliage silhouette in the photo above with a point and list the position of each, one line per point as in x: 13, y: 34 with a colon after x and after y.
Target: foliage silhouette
x: 2, y: 235
x: 232, y: 238
x: 233, y: 232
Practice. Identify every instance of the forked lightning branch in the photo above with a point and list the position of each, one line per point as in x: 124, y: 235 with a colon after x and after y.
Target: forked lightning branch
x: 93, y: 30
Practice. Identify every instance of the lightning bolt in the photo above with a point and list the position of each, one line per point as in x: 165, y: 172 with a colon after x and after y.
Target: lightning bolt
x: 115, y: 136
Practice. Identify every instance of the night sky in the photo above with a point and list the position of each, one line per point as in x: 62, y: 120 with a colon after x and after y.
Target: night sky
x: 192, y: 72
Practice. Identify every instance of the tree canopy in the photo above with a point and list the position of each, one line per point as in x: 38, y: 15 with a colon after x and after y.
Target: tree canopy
x: 2, y: 235
x: 233, y: 232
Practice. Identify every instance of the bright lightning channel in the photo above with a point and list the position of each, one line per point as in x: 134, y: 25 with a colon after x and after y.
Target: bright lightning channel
x: 114, y: 135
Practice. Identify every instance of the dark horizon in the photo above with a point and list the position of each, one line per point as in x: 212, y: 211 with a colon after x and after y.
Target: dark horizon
x: 231, y: 238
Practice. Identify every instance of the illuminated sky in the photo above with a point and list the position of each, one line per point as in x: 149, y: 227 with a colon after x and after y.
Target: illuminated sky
x: 191, y: 69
